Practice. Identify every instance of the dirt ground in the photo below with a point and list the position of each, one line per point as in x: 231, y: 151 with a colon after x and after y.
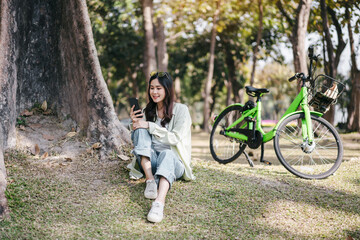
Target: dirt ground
x: 50, y: 141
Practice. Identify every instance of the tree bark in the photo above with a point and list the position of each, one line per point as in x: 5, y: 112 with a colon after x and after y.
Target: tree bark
x: 162, y: 56
x: 258, y: 39
x: 333, y: 60
x: 48, y: 53
x: 208, y: 82
x: 353, y: 123
x: 233, y: 85
x: 298, y: 35
x: 149, y: 51
x: 4, y: 210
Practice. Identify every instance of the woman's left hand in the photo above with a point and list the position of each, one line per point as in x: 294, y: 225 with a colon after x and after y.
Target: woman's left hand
x: 140, y: 124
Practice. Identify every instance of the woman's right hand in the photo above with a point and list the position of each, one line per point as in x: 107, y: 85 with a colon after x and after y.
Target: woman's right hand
x: 135, y: 115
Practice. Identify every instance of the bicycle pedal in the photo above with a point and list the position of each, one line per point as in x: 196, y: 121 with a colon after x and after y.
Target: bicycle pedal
x: 266, y: 162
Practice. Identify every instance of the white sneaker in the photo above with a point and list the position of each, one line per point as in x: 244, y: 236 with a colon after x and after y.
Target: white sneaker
x: 156, y: 213
x: 151, y: 189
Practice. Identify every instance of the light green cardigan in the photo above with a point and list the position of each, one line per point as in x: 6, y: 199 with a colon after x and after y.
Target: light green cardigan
x: 178, y: 136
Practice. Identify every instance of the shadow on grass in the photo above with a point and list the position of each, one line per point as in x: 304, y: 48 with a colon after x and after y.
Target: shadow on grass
x: 244, y: 199
x: 225, y: 202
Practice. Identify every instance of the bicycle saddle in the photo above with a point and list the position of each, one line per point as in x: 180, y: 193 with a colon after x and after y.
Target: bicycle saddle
x: 256, y: 91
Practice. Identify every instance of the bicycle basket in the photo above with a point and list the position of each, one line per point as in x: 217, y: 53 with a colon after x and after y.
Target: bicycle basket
x: 324, y: 92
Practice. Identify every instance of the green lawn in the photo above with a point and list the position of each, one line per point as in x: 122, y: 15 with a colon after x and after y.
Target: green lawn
x: 88, y: 199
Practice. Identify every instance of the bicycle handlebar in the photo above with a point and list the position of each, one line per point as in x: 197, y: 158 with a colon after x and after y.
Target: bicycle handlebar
x: 296, y: 76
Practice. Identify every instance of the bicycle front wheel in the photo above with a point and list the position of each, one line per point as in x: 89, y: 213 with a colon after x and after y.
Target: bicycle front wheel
x: 311, y: 161
x: 225, y: 149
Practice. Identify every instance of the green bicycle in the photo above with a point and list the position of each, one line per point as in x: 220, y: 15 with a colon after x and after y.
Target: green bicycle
x: 305, y: 143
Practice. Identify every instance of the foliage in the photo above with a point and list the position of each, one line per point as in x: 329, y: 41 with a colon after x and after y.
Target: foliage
x: 119, y: 39
x: 275, y: 77
x: 119, y: 36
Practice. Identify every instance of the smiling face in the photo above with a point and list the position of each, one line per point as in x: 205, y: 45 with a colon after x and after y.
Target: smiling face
x: 157, y: 91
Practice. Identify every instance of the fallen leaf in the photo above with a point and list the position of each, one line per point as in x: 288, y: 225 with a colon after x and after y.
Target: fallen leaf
x: 26, y: 113
x: 45, y: 155
x: 36, y: 150
x: 123, y: 157
x: 22, y: 127
x: 96, y: 145
x: 71, y: 134
x: 44, y: 106
x: 48, y: 137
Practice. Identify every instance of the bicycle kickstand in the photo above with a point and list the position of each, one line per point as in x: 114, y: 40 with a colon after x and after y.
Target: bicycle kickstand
x: 251, y: 163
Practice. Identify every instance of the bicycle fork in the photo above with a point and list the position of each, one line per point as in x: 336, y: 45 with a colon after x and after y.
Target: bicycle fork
x: 308, y: 144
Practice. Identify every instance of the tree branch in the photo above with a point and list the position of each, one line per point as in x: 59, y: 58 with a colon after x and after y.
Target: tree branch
x: 284, y: 13
x: 341, y: 42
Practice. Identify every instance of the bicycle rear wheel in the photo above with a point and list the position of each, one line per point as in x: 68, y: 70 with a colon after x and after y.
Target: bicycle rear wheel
x: 311, y: 162
x: 225, y: 149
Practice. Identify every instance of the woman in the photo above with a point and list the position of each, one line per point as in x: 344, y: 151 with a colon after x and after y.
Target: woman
x: 162, y: 142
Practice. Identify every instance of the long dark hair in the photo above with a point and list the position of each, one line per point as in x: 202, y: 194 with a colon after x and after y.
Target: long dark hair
x: 150, y: 110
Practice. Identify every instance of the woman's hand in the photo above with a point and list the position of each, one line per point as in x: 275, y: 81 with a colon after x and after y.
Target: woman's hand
x: 135, y: 115
x: 140, y: 124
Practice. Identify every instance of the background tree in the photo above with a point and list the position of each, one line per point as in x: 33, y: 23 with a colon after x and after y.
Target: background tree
x: 353, y: 123
x: 208, y: 81
x: 119, y: 38
x: 258, y: 39
x: 149, y: 51
x: 331, y: 54
x: 187, y: 33
x: 298, y: 25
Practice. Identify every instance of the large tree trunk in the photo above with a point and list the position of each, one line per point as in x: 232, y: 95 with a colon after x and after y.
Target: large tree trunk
x: 48, y: 53
x: 353, y: 123
x: 149, y: 51
x: 258, y: 39
x: 4, y: 210
x: 208, y: 82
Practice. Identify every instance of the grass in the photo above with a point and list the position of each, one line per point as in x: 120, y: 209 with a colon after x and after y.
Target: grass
x: 88, y: 199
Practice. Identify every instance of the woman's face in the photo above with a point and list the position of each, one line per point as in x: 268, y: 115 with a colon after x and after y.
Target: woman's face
x: 157, y: 91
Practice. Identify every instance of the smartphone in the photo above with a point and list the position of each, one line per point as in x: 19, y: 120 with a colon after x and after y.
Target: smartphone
x: 134, y: 102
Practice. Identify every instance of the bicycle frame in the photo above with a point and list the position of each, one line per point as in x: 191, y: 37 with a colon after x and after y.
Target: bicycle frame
x: 300, y: 100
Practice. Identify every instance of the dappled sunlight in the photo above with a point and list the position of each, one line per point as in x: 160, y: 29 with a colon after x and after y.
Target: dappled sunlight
x: 96, y: 199
x: 315, y: 222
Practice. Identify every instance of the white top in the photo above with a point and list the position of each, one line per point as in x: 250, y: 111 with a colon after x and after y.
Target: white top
x: 157, y: 145
x: 177, y: 135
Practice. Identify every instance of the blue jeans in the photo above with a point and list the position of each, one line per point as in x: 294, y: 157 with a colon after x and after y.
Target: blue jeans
x: 163, y: 164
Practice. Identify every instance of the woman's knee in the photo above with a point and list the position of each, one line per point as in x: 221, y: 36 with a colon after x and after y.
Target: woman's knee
x: 140, y: 133
x: 142, y: 143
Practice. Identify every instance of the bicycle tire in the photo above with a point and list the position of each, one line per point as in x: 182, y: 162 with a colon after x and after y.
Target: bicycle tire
x: 320, y: 162
x: 226, y: 149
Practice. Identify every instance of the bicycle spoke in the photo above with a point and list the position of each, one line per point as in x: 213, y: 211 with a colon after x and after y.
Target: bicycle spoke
x: 308, y: 161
